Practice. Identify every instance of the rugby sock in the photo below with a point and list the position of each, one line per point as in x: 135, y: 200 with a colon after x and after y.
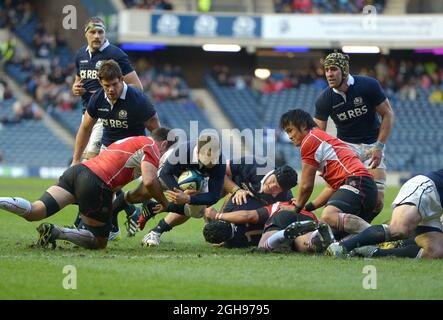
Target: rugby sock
x: 407, y: 242
x: 119, y: 203
x: 410, y: 251
x: 81, y: 237
x: 114, y: 222
x: 78, y: 221
x: 162, y: 226
x: 176, y: 208
x: 18, y: 206
x: 277, y: 240
x: 372, y: 235
x: 130, y: 210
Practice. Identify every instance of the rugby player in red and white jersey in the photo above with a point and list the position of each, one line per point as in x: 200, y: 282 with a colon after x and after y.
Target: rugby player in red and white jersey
x: 351, y: 193
x: 92, y: 184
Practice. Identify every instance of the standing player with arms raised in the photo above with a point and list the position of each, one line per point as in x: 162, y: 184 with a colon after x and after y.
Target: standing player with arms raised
x: 355, y: 104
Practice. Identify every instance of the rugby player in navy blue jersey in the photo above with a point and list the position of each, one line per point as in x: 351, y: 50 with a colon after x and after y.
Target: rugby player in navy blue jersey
x: 87, y: 61
x: 125, y: 112
x: 356, y: 104
x: 203, y: 156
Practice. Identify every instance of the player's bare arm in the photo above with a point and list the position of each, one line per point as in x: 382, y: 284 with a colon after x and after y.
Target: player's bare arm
x: 153, y: 123
x: 152, y: 184
x: 384, y: 109
x: 306, y: 185
x: 132, y: 79
x: 322, y: 125
x: 323, y: 197
x: 82, y: 138
x: 237, y: 217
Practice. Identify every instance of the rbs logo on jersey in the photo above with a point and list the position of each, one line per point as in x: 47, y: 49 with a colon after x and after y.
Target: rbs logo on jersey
x: 353, y: 113
x: 88, y: 74
x: 115, y: 123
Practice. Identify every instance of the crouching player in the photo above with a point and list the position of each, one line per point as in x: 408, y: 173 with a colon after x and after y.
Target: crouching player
x: 92, y: 184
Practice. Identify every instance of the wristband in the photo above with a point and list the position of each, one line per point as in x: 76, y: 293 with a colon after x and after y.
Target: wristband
x: 379, y: 145
x: 298, y: 209
x: 237, y: 188
x: 310, y: 207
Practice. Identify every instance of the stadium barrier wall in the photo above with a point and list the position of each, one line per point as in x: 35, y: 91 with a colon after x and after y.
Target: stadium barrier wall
x: 313, y: 31
x: 26, y: 172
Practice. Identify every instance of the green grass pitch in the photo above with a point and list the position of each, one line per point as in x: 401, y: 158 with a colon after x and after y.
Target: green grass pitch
x: 185, y: 267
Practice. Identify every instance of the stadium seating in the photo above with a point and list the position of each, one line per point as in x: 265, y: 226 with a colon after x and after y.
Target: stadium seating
x: 68, y: 119
x: 249, y: 109
x: 21, y: 143
x: 179, y: 114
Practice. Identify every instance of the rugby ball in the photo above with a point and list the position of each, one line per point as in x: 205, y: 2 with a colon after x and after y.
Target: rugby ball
x: 190, y: 180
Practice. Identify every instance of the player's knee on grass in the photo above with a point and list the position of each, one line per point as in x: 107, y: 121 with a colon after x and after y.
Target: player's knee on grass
x: 432, y: 244
x: 101, y: 234
x: 100, y: 243
x: 434, y: 251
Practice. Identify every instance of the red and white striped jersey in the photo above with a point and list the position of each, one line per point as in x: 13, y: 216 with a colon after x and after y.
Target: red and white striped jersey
x: 333, y: 158
x: 120, y: 163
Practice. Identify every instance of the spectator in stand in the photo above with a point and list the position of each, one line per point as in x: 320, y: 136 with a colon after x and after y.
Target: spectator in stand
x: 436, y: 96
x: 5, y: 93
x: 326, y: 6
x: 25, y: 109
x: 163, y: 83
x: 149, y: 4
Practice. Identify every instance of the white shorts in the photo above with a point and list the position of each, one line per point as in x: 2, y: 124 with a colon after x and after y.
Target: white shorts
x: 421, y: 191
x: 95, y: 140
x: 363, y: 152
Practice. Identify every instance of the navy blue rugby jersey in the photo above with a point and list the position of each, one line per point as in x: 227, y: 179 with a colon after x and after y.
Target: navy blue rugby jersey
x: 183, y: 158
x: 437, y: 177
x: 87, y: 65
x: 354, y: 112
x: 125, y: 118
